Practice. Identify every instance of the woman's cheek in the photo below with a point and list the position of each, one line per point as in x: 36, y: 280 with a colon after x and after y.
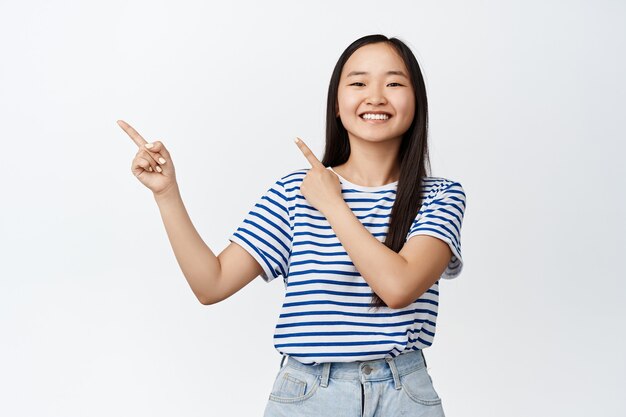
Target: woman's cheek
x: 407, y: 107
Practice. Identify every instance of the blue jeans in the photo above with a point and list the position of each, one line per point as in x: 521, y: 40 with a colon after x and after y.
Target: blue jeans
x: 376, y: 388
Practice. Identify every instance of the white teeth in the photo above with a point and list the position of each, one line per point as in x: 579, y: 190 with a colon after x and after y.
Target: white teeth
x: 371, y: 116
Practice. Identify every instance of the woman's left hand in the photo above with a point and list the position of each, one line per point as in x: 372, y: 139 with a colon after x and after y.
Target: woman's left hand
x: 320, y: 187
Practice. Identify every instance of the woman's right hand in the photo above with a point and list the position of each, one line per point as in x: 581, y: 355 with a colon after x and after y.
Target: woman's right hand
x: 155, y: 173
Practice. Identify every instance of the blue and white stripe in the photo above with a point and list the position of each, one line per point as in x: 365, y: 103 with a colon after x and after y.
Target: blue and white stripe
x: 326, y: 315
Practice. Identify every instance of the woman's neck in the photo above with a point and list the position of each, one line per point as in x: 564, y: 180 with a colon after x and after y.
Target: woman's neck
x: 368, y: 174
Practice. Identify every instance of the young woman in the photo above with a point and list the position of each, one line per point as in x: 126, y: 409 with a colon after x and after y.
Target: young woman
x: 361, y: 240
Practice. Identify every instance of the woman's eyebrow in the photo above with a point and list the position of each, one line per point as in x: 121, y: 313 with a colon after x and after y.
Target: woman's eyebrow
x: 393, y: 72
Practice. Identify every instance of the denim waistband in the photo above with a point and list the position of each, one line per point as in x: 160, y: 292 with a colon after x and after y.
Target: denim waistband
x: 372, y: 370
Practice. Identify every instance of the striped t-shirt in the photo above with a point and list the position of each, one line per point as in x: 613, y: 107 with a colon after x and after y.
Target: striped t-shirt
x: 325, y: 316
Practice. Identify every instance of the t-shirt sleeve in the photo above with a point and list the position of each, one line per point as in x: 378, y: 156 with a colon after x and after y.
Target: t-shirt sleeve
x: 266, y: 232
x: 442, y: 218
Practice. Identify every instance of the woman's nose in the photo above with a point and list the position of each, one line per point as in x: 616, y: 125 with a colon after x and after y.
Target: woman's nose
x: 376, y: 97
x: 376, y: 100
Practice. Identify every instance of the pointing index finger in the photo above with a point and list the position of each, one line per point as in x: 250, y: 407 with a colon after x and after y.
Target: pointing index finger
x: 134, y: 135
x: 308, y: 154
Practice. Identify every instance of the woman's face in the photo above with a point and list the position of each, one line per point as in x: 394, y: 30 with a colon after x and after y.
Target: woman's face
x: 375, y: 80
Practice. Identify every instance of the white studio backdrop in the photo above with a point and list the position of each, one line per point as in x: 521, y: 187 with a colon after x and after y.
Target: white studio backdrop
x: 526, y: 101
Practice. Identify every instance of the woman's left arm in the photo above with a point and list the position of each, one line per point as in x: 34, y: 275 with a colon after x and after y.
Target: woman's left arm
x: 398, y: 278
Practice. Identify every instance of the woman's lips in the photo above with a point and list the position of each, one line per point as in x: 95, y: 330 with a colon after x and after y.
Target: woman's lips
x: 375, y: 121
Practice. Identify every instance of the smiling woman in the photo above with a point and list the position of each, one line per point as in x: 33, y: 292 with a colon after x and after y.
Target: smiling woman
x: 360, y: 238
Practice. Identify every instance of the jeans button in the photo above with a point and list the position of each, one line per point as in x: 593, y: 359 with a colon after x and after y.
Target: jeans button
x: 367, y: 369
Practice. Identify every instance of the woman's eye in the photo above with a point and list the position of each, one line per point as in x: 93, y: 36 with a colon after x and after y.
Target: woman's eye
x: 355, y: 83
x: 396, y: 83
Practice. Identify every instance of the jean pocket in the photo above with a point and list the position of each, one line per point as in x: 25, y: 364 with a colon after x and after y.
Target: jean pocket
x: 418, y: 386
x: 292, y: 385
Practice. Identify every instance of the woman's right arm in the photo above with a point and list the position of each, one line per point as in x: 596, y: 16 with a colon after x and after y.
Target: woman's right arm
x: 211, y: 278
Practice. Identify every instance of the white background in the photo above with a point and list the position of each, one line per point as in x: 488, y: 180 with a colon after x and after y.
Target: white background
x: 526, y: 101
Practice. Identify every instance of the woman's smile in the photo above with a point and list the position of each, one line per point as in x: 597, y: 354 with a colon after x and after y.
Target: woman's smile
x: 374, y: 119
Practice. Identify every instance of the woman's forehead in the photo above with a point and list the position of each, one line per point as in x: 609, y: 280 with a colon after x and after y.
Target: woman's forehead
x: 373, y: 59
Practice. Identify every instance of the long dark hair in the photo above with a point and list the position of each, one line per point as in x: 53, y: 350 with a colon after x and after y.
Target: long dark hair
x: 412, y: 155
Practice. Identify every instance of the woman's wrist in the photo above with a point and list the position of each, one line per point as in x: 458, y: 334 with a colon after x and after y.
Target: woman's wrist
x: 170, y: 193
